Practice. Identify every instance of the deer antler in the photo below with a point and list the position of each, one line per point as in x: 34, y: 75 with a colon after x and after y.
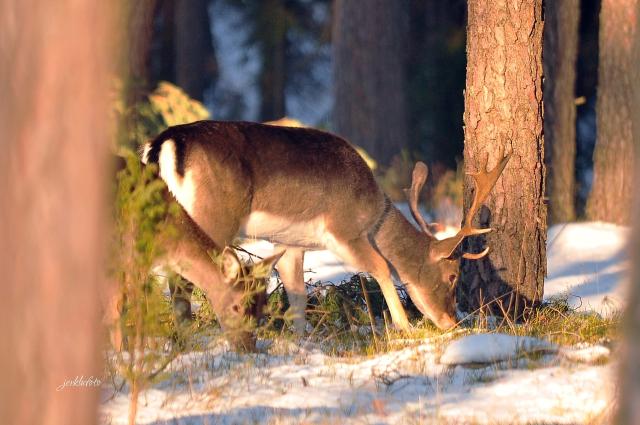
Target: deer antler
x: 484, y: 182
x: 420, y: 173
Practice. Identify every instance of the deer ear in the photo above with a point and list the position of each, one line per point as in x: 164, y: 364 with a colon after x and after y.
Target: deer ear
x: 270, y: 262
x: 444, y: 248
x: 263, y: 269
x: 231, y: 265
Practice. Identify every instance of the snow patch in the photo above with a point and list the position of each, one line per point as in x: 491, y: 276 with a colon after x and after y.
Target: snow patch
x: 586, y: 354
x: 588, y: 263
x: 491, y: 348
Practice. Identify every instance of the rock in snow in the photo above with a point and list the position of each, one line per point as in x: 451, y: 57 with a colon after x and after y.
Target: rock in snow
x: 490, y: 348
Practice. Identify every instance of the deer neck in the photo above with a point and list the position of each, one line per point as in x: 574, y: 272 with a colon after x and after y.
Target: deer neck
x: 404, y: 246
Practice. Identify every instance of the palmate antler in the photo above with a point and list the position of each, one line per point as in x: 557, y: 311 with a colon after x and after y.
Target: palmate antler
x: 484, y: 181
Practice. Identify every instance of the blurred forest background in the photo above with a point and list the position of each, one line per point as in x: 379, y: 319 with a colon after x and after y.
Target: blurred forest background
x: 327, y: 64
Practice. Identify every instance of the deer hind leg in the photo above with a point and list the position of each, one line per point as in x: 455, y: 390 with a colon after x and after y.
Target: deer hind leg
x: 290, y: 268
x: 362, y: 255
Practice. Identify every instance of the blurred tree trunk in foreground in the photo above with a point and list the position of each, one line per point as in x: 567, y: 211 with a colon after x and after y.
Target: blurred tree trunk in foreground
x: 559, y: 59
x: 613, y: 170
x: 195, y: 60
x: 368, y: 52
x: 503, y: 111
x: 629, y: 404
x: 629, y: 374
x: 54, y: 58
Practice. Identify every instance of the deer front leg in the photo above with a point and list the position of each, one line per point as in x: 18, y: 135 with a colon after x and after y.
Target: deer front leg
x: 362, y: 255
x: 290, y: 268
x: 181, y: 291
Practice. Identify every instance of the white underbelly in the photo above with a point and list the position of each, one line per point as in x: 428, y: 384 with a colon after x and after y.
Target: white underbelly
x: 307, y: 234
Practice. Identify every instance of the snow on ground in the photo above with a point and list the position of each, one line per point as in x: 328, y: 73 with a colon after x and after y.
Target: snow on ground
x: 587, y: 262
x: 417, y: 384
x: 405, y: 386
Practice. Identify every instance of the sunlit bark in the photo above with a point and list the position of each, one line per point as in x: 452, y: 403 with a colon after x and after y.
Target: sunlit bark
x: 503, y: 113
x: 54, y: 62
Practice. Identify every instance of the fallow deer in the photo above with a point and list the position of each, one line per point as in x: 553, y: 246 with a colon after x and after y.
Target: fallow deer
x: 236, y: 291
x: 306, y: 189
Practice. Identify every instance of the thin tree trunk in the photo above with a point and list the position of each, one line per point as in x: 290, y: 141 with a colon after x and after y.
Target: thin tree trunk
x: 195, y: 60
x: 54, y: 59
x: 272, y: 27
x: 162, y: 57
x: 139, y: 25
x: 368, y: 43
x: 560, y: 54
x: 613, y: 170
x: 503, y: 111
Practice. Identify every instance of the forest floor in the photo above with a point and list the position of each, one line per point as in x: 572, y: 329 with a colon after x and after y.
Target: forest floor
x: 511, y: 374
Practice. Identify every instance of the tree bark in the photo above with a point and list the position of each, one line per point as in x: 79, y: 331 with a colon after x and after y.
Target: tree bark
x: 55, y: 58
x: 613, y: 158
x: 559, y: 60
x: 503, y: 111
x: 195, y: 61
x: 368, y: 52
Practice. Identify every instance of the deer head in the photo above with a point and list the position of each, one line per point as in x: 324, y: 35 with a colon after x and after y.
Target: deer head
x: 433, y: 292
x: 244, y: 308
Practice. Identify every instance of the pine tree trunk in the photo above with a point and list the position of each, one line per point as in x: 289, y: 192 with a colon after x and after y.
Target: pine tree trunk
x: 54, y: 119
x: 272, y: 30
x: 368, y: 72
x: 503, y: 111
x: 560, y: 53
x: 613, y: 169
x: 195, y: 61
